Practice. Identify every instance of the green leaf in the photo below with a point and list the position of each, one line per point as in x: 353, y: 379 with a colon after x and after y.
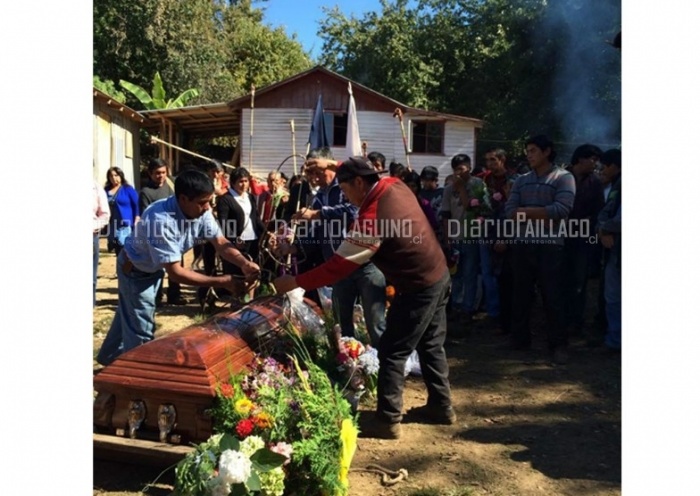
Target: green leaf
x: 139, y: 93
x: 265, y: 460
x: 182, y: 100
x: 229, y: 442
x: 253, y: 482
x: 158, y: 90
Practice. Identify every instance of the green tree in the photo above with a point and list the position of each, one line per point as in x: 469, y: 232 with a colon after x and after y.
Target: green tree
x: 381, y: 51
x: 524, y: 66
x: 216, y: 46
x: 108, y: 88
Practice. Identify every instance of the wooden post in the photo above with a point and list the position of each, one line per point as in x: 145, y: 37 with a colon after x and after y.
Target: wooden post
x: 294, y: 146
x: 252, y: 120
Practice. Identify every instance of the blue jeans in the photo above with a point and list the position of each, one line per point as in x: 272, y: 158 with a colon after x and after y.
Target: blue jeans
x: 493, y: 301
x: 134, y: 322
x: 367, y: 283
x: 465, y: 280
x: 613, y: 301
x: 95, y: 263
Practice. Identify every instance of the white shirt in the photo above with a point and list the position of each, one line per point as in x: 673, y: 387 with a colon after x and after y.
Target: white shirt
x: 100, y: 207
x: 248, y: 232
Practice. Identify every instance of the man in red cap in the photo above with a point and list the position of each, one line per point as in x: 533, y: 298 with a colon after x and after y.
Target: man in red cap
x: 393, y: 232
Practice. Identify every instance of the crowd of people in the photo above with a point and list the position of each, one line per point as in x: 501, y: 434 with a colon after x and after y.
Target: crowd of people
x: 473, y: 251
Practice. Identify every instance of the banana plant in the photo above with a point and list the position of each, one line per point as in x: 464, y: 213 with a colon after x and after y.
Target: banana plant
x: 156, y: 100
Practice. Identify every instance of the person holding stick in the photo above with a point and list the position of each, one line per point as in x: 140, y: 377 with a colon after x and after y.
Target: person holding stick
x: 167, y: 229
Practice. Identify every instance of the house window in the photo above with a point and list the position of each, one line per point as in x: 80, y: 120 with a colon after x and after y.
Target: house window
x: 428, y: 137
x: 337, y: 128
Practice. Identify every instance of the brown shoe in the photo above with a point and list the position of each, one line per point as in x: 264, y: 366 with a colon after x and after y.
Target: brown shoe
x: 431, y: 415
x: 374, y: 427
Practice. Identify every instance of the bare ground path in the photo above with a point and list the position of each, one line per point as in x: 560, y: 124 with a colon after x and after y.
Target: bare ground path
x: 525, y: 427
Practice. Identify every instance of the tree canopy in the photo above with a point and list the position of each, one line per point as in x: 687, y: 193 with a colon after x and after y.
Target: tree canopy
x: 219, y: 48
x: 524, y: 66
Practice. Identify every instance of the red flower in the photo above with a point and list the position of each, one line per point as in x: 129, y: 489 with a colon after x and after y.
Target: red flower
x: 227, y: 390
x: 244, y: 428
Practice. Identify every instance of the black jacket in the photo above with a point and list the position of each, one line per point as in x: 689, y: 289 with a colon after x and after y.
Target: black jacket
x: 231, y: 216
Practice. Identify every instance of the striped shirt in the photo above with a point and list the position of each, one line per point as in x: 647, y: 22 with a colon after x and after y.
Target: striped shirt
x: 554, y: 190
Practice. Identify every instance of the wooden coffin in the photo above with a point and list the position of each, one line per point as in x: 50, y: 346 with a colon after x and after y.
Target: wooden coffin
x: 175, y: 377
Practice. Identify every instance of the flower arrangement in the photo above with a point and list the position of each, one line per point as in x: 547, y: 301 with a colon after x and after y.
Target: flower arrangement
x: 358, y: 365
x: 291, y: 409
x: 224, y: 465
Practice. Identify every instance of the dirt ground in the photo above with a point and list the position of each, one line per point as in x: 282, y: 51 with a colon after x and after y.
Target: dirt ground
x: 524, y: 427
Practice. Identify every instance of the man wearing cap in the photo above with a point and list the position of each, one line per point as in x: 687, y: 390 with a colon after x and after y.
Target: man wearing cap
x: 331, y: 215
x: 413, y: 262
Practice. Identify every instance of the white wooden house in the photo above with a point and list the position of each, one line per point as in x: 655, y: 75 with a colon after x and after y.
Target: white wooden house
x: 434, y: 137
x: 115, y: 138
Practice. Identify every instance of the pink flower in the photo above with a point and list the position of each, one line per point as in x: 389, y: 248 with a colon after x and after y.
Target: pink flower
x: 474, y: 202
x: 497, y: 196
x: 480, y: 220
x: 342, y: 357
x: 283, y: 449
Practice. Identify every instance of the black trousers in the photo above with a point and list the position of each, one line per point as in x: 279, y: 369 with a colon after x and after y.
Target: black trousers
x: 415, y: 321
x: 539, y: 264
x: 208, y: 253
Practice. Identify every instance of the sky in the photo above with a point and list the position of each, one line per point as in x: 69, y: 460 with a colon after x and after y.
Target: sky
x: 302, y: 17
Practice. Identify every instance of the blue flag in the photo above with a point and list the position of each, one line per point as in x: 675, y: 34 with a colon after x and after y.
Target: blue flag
x: 317, y: 135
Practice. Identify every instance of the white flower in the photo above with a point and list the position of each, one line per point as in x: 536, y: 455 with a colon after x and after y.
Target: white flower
x: 218, y: 486
x: 369, y: 361
x: 234, y: 467
x: 251, y: 444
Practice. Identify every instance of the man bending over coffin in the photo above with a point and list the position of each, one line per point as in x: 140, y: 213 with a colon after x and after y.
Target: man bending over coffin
x: 411, y: 260
x: 168, y: 228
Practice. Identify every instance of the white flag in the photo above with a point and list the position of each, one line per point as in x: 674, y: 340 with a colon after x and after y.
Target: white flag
x: 353, y: 144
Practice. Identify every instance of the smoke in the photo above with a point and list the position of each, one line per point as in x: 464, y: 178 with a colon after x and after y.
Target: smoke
x: 587, y: 69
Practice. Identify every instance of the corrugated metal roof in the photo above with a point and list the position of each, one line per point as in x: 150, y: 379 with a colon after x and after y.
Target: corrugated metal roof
x: 215, y: 119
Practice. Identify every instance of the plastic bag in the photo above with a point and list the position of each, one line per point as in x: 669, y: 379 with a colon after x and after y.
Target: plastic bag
x: 412, y: 365
x: 325, y: 295
x: 301, y: 314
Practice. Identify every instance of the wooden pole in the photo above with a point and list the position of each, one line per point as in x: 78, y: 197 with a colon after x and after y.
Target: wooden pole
x: 294, y: 146
x: 165, y: 143
x: 252, y: 120
x: 399, y: 114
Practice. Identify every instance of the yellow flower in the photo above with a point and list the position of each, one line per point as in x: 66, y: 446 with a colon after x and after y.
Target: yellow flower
x: 243, y: 406
x: 348, y: 439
